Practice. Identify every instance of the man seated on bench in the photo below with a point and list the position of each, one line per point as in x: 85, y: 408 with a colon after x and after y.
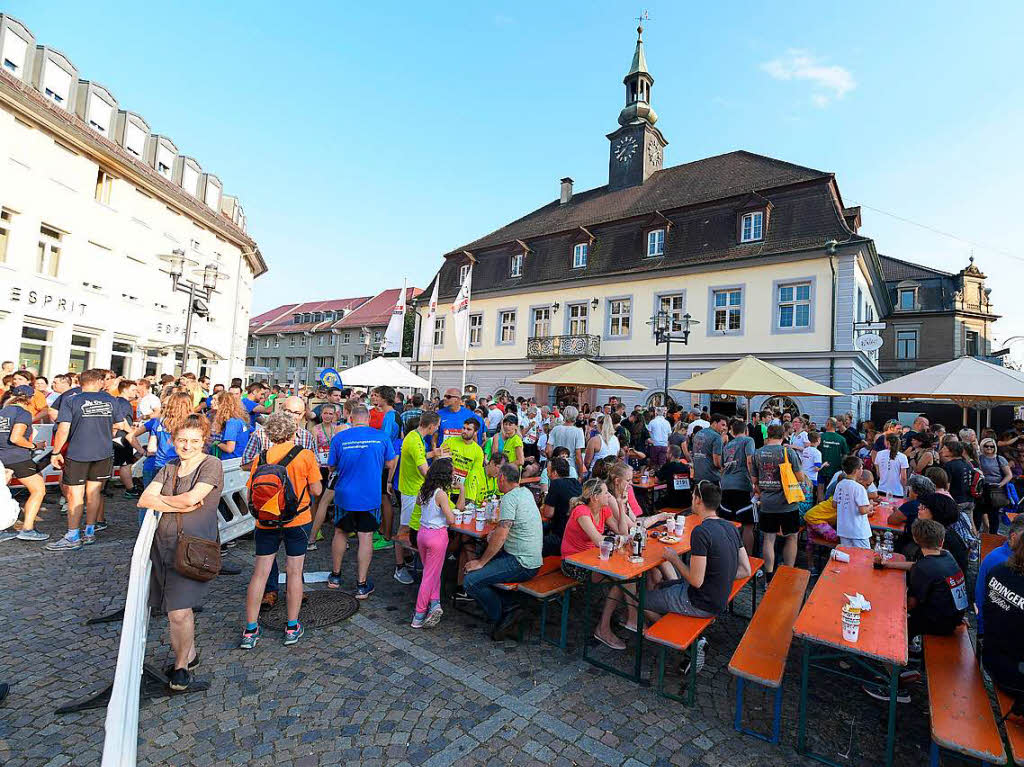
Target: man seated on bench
x: 717, y: 558
x: 1003, y: 618
x: 996, y: 557
x: 676, y: 476
x: 936, y: 596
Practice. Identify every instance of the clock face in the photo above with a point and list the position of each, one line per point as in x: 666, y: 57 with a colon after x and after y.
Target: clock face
x: 654, y: 155
x: 625, y: 148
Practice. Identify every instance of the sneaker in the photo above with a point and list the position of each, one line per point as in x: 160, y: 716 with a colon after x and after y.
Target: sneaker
x: 363, y: 590
x: 418, y: 620
x: 334, y: 581
x: 881, y: 692
x: 291, y: 636
x: 433, y: 617
x: 87, y: 539
x: 249, y: 639
x: 684, y: 667
x: 33, y: 535
x: 180, y: 679
x: 64, y: 544
x: 402, y: 576
x: 99, y: 527
x: 910, y: 676
x: 192, y: 666
x: 8, y: 535
x: 916, y: 647
x: 310, y: 546
x: 268, y: 601
x: 131, y: 494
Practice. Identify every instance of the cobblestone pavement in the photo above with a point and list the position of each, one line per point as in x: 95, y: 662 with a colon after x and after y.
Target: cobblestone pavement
x: 373, y: 691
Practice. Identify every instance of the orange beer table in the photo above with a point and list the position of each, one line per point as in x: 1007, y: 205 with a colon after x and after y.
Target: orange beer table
x: 879, y: 516
x: 883, y: 631
x: 620, y: 570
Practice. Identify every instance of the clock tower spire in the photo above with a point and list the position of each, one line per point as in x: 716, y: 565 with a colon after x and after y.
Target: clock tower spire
x: 637, y: 147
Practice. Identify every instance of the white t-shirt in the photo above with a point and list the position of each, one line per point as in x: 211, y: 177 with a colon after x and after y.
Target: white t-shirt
x: 146, y: 405
x: 850, y: 523
x: 568, y: 436
x: 659, y: 430
x: 810, y: 459
x: 694, y: 424
x: 889, y: 472
x: 494, y: 416
x: 799, y: 440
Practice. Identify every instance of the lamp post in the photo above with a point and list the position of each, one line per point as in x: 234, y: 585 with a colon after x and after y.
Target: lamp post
x: 199, y: 293
x: 663, y: 334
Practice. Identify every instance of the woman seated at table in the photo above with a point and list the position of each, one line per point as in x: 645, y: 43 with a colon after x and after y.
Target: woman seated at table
x: 589, y: 517
x: 1003, y: 616
x: 943, y: 509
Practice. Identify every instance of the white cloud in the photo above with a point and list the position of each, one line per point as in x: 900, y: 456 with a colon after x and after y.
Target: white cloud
x: 829, y: 81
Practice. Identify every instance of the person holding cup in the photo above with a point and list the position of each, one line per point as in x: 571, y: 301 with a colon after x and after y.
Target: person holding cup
x: 591, y: 512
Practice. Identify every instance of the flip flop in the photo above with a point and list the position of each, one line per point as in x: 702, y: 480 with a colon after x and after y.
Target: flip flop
x: 608, y: 644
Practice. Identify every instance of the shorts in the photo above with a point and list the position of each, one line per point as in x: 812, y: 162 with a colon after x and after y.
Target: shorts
x: 325, y: 473
x: 779, y: 523
x: 23, y: 469
x: 736, y: 507
x: 124, y: 455
x: 408, y: 504
x: 79, y: 472
x: 357, y: 521
x: 674, y: 597
x: 267, y: 542
x: 855, y: 543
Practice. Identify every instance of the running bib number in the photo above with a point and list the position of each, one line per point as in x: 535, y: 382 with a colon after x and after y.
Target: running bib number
x: 959, y: 590
x: 680, y: 482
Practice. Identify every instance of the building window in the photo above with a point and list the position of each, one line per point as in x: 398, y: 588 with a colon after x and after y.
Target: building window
x: 5, y: 233
x: 577, y: 319
x: 121, y: 358
x: 675, y: 305
x: 542, y: 322
x: 438, y: 331
x: 346, y: 338
x: 81, y: 352
x: 476, y: 329
x: 728, y: 309
x: 906, y: 344
x: 507, y: 327
x: 277, y: 342
x: 752, y: 226
x: 343, y: 360
x: 48, y: 256
x: 517, y: 265
x: 56, y: 83
x: 579, y: 255
x: 104, y: 183
x: 971, y: 345
x: 795, y: 305
x: 321, y: 339
x: 266, y: 343
x: 907, y: 299
x: 463, y: 273
x: 14, y: 54
x: 656, y: 242
x: 619, y: 317
x: 34, y: 352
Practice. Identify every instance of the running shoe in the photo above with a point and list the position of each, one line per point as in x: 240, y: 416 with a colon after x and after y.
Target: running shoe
x: 33, y: 535
x: 881, y: 692
x: 131, y: 494
x: 334, y: 581
x: 363, y: 590
x: 64, y: 544
x: 8, y: 535
x: 418, y: 620
x: 684, y: 667
x: 311, y: 546
x: 99, y: 527
x: 249, y: 639
x: 433, y: 617
x: 291, y: 636
x: 403, y: 576
x: 87, y: 539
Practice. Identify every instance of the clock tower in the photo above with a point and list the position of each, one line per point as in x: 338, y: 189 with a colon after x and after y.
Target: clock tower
x: 637, y: 147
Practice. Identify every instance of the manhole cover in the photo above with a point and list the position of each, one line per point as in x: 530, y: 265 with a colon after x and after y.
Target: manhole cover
x: 322, y: 608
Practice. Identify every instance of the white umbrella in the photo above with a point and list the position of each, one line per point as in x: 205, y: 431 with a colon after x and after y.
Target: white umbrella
x: 383, y: 371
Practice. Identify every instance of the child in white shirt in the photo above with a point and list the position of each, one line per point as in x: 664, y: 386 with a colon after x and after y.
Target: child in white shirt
x: 810, y: 457
x: 852, y: 507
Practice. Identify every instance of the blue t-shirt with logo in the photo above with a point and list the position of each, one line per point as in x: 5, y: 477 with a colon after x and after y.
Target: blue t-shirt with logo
x: 451, y: 424
x: 9, y: 416
x: 250, y: 406
x: 92, y: 417
x: 164, y: 445
x: 235, y: 430
x: 358, y: 456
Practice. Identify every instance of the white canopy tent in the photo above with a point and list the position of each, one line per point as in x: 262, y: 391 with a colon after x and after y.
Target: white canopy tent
x: 383, y: 371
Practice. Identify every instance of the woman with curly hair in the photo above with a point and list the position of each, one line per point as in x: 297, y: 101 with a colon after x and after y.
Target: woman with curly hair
x: 174, y: 411
x: 432, y: 539
x: 229, y: 433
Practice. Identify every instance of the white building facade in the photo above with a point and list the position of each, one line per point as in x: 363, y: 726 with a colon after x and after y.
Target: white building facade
x: 89, y: 200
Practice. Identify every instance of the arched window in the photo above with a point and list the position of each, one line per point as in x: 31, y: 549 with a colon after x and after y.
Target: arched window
x: 783, y: 404
x: 658, y: 400
x: 503, y: 393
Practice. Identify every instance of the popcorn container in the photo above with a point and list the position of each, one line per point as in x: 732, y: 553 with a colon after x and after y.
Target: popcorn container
x: 851, y: 623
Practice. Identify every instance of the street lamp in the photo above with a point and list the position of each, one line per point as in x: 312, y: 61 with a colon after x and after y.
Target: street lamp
x: 199, y: 293
x: 662, y: 322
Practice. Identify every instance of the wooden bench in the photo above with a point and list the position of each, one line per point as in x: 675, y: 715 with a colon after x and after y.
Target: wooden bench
x: 990, y: 542
x: 681, y: 632
x: 962, y: 718
x: 761, y: 654
x: 1014, y: 726
x: 550, y: 584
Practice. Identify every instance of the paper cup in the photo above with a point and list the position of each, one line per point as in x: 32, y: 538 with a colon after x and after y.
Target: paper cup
x: 480, y: 522
x: 670, y: 525
x: 851, y: 623
x: 839, y: 556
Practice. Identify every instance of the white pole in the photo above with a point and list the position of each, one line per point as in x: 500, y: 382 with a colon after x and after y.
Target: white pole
x: 430, y: 375
x: 465, y: 340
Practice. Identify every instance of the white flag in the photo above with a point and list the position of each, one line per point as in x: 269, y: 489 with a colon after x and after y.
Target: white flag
x: 427, y: 330
x: 460, y: 312
x: 396, y: 326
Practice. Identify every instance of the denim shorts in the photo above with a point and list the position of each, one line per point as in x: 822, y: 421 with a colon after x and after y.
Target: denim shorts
x: 295, y: 540
x: 674, y: 597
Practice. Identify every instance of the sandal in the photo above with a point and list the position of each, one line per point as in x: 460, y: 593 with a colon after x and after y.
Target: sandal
x: 608, y: 644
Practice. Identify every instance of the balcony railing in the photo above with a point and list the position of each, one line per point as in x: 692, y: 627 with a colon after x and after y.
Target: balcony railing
x: 563, y: 346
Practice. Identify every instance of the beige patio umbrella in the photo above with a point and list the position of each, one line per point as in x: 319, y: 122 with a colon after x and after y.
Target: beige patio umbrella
x: 749, y: 377
x: 582, y: 372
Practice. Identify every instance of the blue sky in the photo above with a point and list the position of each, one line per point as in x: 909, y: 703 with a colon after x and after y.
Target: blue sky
x: 365, y: 140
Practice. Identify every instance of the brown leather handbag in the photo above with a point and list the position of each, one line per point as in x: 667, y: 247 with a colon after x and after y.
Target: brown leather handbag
x: 194, y: 557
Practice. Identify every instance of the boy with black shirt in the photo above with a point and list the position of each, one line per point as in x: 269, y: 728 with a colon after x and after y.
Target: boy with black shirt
x: 555, y: 511
x: 677, y: 478
x: 85, y: 424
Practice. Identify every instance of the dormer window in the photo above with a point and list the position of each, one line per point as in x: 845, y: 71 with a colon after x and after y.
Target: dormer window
x: 579, y: 255
x: 516, y: 266
x: 463, y: 273
x: 14, y: 54
x: 656, y: 242
x: 752, y: 226
x: 907, y: 299
x: 297, y: 319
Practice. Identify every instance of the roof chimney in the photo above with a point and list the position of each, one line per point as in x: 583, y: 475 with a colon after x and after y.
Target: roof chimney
x: 566, y: 194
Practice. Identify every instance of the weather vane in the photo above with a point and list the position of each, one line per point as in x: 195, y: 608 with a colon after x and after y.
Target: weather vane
x: 643, y: 17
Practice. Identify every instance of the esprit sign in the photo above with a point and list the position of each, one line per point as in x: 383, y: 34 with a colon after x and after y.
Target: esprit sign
x: 53, y: 302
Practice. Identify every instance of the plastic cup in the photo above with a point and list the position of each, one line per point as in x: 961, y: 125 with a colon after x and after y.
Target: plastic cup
x: 606, y: 550
x: 851, y: 623
x: 670, y: 525
x: 480, y: 523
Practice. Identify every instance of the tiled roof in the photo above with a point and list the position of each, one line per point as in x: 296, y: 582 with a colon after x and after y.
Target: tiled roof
x: 895, y: 269
x: 376, y: 311
x: 270, y: 314
x: 280, y: 320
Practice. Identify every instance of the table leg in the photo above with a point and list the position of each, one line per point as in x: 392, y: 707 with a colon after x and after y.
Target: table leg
x: 584, y: 640
x: 801, y: 737
x: 641, y: 593
x: 894, y: 686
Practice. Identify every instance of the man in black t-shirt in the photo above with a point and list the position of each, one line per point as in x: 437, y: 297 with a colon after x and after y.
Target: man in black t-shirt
x: 1003, y: 614
x: 555, y: 511
x: 960, y: 474
x: 937, y: 593
x: 677, y: 478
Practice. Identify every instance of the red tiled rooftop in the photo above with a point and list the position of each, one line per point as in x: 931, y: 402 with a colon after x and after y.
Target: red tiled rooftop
x: 376, y: 311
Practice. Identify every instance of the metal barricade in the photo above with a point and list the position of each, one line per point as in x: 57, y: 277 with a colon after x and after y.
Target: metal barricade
x: 234, y: 519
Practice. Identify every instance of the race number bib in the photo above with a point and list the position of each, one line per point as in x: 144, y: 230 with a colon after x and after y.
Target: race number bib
x: 959, y: 590
x: 680, y: 482
x: 460, y: 477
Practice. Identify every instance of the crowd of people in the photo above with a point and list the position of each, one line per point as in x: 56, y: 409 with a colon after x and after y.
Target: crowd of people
x: 388, y: 469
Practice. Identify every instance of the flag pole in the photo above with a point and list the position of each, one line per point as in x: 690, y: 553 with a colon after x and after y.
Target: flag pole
x: 465, y: 340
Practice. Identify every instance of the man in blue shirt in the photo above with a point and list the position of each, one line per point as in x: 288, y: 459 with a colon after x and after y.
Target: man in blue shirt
x: 453, y: 415
x: 256, y: 392
x: 358, y: 457
x: 995, y: 558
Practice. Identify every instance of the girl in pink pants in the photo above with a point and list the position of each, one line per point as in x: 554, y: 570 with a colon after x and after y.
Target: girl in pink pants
x: 432, y: 539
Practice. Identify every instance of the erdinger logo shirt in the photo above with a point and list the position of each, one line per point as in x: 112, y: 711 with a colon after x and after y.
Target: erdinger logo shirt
x: 91, y: 415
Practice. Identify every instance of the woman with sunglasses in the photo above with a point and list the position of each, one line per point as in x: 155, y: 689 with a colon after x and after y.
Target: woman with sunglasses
x: 997, y: 473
